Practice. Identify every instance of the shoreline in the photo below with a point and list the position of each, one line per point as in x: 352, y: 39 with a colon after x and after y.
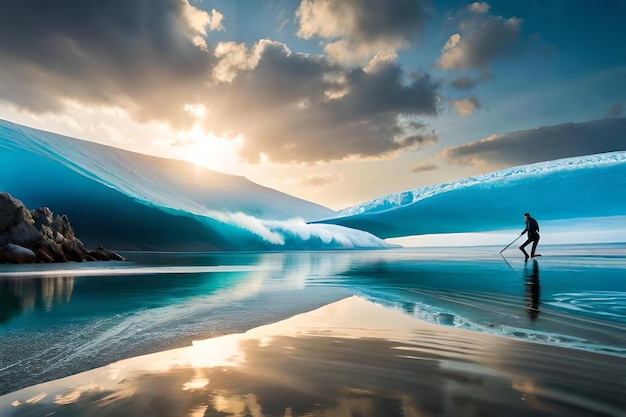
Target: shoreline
x: 348, y: 355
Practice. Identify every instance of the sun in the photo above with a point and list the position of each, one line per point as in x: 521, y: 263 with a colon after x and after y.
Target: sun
x: 204, y: 149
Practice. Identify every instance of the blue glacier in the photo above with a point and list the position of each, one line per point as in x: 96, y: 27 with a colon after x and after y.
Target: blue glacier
x: 129, y: 201
x: 578, y: 189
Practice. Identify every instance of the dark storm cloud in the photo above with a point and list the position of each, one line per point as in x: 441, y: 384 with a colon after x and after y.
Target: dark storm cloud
x: 134, y: 53
x: 542, y: 144
x: 362, y: 27
x: 303, y: 108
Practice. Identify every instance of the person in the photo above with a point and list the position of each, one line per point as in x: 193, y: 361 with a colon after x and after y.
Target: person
x: 532, y: 227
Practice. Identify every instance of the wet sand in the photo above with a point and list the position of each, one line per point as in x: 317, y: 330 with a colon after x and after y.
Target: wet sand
x: 347, y: 358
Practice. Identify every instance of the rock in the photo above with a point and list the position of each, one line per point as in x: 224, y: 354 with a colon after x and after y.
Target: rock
x: 12, y: 212
x: 41, y: 236
x: 24, y: 234
x: 45, y: 257
x: 74, y: 250
x: 61, y: 225
x: 49, y: 249
x: 46, y: 232
x: 16, y: 254
x: 42, y: 216
x: 102, y: 254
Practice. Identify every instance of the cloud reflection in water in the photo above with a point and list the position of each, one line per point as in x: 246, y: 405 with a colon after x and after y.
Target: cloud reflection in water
x: 327, y: 363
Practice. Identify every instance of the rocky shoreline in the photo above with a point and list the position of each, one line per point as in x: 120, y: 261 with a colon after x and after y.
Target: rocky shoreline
x: 40, y: 236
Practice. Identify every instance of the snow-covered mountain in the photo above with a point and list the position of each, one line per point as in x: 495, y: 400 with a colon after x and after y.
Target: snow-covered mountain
x: 125, y: 200
x: 572, y: 188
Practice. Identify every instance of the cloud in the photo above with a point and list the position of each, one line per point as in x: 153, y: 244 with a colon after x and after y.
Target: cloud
x: 425, y: 167
x: 294, y: 107
x: 199, y: 21
x: 464, y: 83
x: 233, y: 58
x: 153, y: 59
x: 143, y: 55
x: 479, y: 7
x: 466, y: 106
x: 541, y: 144
x: 616, y: 110
x: 494, y: 38
x: 467, y: 83
x: 359, y: 29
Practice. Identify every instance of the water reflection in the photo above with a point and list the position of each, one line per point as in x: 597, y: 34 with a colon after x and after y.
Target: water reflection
x: 327, y: 363
x: 533, y: 289
x: 157, y: 302
x: 156, y: 280
x: 18, y: 296
x: 160, y: 301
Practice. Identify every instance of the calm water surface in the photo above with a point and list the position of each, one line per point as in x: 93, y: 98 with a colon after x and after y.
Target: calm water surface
x: 63, y: 319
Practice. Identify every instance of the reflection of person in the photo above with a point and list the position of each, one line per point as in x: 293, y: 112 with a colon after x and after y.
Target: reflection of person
x: 532, y: 227
x: 532, y: 290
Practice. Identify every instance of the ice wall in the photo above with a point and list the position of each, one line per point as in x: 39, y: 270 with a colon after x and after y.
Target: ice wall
x: 573, y: 188
x: 124, y: 200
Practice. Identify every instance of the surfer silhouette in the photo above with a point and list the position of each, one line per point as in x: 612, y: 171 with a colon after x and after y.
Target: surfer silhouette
x: 532, y: 290
x: 532, y: 227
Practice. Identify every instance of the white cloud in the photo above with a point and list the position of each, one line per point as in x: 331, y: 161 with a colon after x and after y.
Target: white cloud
x: 216, y: 20
x: 452, y: 42
x: 198, y: 21
x: 381, y: 58
x: 233, y: 58
x: 466, y: 106
x: 324, y: 18
x: 359, y: 29
x: 479, y: 7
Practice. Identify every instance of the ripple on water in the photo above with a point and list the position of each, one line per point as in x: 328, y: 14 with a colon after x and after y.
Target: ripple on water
x: 596, y: 303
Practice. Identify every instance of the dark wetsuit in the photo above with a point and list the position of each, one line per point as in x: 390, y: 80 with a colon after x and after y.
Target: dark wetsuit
x: 532, y: 227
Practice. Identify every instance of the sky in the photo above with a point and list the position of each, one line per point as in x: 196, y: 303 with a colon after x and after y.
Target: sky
x: 332, y: 101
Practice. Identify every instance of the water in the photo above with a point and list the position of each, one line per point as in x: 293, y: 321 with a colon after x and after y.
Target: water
x: 63, y: 319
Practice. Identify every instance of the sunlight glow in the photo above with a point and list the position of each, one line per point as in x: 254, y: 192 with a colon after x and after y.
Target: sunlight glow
x: 195, y: 384
x: 205, y: 149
